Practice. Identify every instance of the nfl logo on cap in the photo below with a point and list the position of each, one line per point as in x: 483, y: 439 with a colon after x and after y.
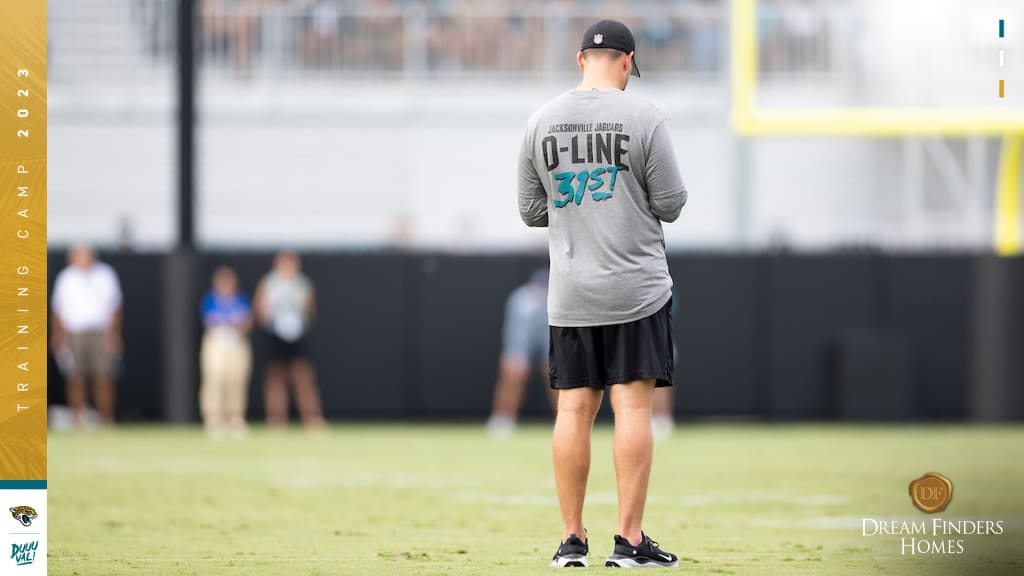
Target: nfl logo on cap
x: 611, y: 35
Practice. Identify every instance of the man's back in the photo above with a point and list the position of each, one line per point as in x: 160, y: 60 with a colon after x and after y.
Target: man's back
x: 597, y: 167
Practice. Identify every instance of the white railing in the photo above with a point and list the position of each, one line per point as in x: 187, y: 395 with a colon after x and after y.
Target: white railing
x: 495, y: 40
x: 676, y: 40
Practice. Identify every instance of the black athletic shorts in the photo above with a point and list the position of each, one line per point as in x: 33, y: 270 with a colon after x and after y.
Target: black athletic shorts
x: 285, y: 350
x: 597, y: 356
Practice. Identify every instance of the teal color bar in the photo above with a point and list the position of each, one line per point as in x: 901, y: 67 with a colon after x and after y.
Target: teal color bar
x: 1001, y: 31
x: 22, y: 484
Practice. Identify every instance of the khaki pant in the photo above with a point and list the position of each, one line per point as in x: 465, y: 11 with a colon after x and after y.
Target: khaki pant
x: 225, y: 362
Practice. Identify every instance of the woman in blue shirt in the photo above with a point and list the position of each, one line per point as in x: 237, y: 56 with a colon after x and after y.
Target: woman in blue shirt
x: 225, y: 357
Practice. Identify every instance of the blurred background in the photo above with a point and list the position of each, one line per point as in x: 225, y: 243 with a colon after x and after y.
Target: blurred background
x: 825, y: 277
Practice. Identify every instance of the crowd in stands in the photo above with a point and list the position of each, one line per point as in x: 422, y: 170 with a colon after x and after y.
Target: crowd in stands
x: 674, y: 37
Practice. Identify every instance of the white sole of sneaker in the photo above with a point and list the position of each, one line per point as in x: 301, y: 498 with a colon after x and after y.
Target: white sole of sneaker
x: 627, y: 562
x: 570, y: 561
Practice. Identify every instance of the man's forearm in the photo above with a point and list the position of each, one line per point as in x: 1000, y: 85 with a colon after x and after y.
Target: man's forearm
x: 668, y: 206
x: 58, y: 333
x: 115, y: 323
x: 533, y: 211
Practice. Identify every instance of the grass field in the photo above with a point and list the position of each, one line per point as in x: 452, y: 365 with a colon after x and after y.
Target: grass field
x: 430, y: 499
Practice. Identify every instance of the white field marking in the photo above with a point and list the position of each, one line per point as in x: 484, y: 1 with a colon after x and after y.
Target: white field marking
x: 226, y: 559
x: 186, y: 466
x: 762, y: 498
x: 305, y: 473
x: 520, y: 500
x: 186, y: 560
x: 816, y: 522
x: 366, y: 480
x: 693, y: 501
x: 1002, y: 59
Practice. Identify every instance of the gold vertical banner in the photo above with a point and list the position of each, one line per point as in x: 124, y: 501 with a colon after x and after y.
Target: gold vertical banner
x: 23, y: 332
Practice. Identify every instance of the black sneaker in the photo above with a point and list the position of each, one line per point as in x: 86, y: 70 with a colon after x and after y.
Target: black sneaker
x: 571, y: 554
x: 646, y: 555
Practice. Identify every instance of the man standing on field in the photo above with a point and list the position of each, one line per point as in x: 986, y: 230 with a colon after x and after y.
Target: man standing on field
x: 597, y: 168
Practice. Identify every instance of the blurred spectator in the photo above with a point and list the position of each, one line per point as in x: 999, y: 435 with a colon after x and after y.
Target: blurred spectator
x: 353, y: 36
x: 525, y: 341
x: 322, y: 42
x: 771, y: 36
x: 528, y: 30
x: 525, y: 345
x: 659, y: 37
x: 450, y: 37
x: 225, y: 357
x: 229, y: 27
x: 805, y: 28
x: 285, y: 305
x: 706, y: 40
x: 663, y: 422
x: 793, y: 36
x: 86, y: 339
x: 381, y: 32
x: 156, y: 18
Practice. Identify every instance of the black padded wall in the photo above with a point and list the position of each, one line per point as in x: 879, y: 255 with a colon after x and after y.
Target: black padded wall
x: 419, y: 335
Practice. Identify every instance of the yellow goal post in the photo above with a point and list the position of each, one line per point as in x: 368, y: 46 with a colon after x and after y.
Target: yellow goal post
x: 750, y: 120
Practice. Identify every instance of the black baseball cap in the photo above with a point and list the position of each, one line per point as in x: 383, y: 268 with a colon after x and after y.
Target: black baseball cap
x: 611, y: 34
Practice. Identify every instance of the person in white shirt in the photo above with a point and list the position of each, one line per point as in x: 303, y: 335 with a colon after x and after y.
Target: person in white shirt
x: 86, y: 338
x: 285, y: 306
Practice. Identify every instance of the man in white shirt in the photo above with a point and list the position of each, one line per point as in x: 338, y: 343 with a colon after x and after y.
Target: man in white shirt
x: 86, y: 320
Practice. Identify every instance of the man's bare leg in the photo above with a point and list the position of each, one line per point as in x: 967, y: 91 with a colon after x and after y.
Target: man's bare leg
x: 508, y: 396
x: 508, y: 392
x: 104, y: 394
x: 663, y: 421
x: 275, y: 394
x: 633, y: 450
x: 75, y: 390
x: 307, y: 395
x: 571, y: 450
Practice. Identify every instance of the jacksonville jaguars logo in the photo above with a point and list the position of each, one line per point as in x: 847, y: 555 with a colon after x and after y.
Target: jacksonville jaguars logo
x: 24, y: 514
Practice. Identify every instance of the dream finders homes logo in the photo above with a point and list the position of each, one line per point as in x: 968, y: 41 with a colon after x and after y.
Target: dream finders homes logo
x: 931, y: 493
x: 939, y: 536
x: 24, y: 554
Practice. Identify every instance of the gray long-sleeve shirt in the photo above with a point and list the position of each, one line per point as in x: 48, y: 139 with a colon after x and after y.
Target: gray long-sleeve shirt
x: 598, y: 169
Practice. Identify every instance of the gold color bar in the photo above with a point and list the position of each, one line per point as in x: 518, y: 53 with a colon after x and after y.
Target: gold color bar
x: 23, y: 328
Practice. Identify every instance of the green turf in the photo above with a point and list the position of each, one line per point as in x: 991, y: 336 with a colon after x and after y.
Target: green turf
x: 424, y: 499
